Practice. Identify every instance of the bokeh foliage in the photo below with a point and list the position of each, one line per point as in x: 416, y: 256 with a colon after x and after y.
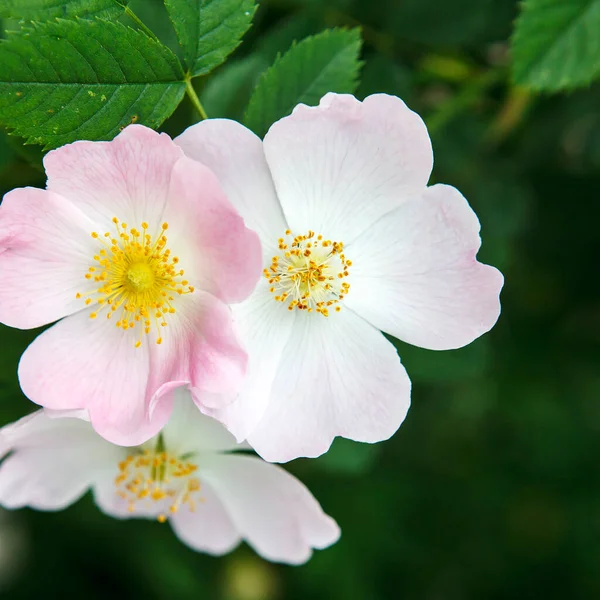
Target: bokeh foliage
x: 490, y: 490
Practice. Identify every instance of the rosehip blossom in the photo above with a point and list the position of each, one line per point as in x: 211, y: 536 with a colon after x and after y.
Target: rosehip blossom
x: 187, y: 475
x: 354, y: 242
x: 138, y: 248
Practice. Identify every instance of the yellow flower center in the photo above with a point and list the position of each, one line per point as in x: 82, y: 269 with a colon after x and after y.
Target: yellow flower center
x: 309, y: 273
x: 137, y: 279
x: 154, y: 476
x: 140, y: 276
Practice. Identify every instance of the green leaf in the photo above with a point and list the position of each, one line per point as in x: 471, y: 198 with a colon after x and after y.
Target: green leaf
x: 209, y: 30
x: 43, y: 10
x: 283, y: 33
x: 228, y: 90
x: 69, y: 80
x: 556, y: 44
x: 326, y: 62
x: 6, y: 152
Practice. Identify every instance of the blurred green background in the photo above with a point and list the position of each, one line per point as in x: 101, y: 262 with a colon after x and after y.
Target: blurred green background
x: 490, y: 489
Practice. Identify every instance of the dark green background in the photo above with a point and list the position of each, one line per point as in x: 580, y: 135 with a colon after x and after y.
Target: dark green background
x: 490, y: 489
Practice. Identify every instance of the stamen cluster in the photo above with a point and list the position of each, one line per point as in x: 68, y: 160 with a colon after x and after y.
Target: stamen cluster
x: 154, y: 476
x: 309, y: 273
x: 138, y: 278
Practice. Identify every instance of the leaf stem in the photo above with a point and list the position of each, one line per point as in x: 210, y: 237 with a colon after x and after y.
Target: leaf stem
x: 191, y: 92
x: 141, y: 24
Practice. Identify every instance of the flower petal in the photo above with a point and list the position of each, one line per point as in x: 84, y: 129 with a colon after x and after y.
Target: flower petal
x: 54, y: 461
x: 188, y: 430
x: 338, y: 377
x: 111, y: 503
x: 236, y: 156
x: 228, y: 255
x: 90, y: 363
x: 264, y: 326
x: 127, y: 178
x: 45, y: 251
x: 200, y: 350
x: 42, y: 480
x: 273, y: 511
x: 46, y: 428
x: 208, y: 528
x: 415, y: 275
x: 342, y: 165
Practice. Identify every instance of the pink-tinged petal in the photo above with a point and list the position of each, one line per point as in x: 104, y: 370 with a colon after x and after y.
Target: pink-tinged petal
x: 209, y: 528
x: 54, y: 461
x: 227, y: 255
x: 129, y: 392
x: 273, y: 511
x: 236, y: 156
x: 89, y: 363
x: 45, y: 251
x: 338, y: 377
x: 188, y: 430
x: 415, y: 275
x: 127, y: 178
x: 201, y: 350
x: 342, y: 165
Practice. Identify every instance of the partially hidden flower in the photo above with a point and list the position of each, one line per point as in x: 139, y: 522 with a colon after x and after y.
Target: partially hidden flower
x: 136, y: 248
x: 354, y: 242
x: 188, y: 475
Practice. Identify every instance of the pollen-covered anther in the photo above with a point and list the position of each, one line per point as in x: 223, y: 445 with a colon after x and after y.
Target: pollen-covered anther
x: 309, y: 274
x: 136, y: 278
x: 151, y: 477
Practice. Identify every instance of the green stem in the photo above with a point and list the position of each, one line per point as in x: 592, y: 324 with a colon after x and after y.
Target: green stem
x: 191, y: 92
x: 512, y: 113
x: 141, y: 24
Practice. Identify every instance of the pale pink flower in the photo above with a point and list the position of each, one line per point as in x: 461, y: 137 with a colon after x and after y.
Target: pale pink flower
x: 137, y: 247
x: 187, y: 475
x: 354, y: 242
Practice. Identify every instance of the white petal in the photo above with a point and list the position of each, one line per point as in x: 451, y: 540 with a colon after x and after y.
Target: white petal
x: 236, y: 156
x: 208, y: 528
x: 110, y: 503
x: 338, y: 377
x: 53, y: 461
x: 415, y: 275
x: 188, y: 430
x: 272, y: 510
x: 264, y: 327
x: 342, y: 165
x: 39, y: 429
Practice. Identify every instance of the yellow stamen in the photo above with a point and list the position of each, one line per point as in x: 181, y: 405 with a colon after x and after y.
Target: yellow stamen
x: 152, y: 476
x: 308, y: 274
x: 136, y: 276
